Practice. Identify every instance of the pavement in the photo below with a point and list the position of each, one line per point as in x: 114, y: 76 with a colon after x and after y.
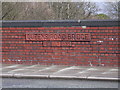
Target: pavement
x: 59, y: 72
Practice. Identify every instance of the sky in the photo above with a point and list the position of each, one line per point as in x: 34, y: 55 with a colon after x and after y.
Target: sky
x: 100, y: 4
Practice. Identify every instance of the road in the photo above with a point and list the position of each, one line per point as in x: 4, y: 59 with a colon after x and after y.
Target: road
x: 56, y: 83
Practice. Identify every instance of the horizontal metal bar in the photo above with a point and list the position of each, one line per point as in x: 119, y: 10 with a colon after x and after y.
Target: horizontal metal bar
x: 60, y: 23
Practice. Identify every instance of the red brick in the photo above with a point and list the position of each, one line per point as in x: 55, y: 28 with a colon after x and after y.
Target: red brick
x: 81, y: 53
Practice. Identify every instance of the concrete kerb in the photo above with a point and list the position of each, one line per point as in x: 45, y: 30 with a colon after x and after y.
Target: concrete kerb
x: 6, y: 75
x: 23, y: 76
x: 31, y: 76
x: 103, y: 78
x: 56, y: 77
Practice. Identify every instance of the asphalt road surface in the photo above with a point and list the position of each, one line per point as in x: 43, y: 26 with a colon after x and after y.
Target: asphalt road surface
x: 56, y: 83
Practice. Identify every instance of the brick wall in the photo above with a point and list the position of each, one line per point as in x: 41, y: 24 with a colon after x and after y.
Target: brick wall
x: 101, y: 50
